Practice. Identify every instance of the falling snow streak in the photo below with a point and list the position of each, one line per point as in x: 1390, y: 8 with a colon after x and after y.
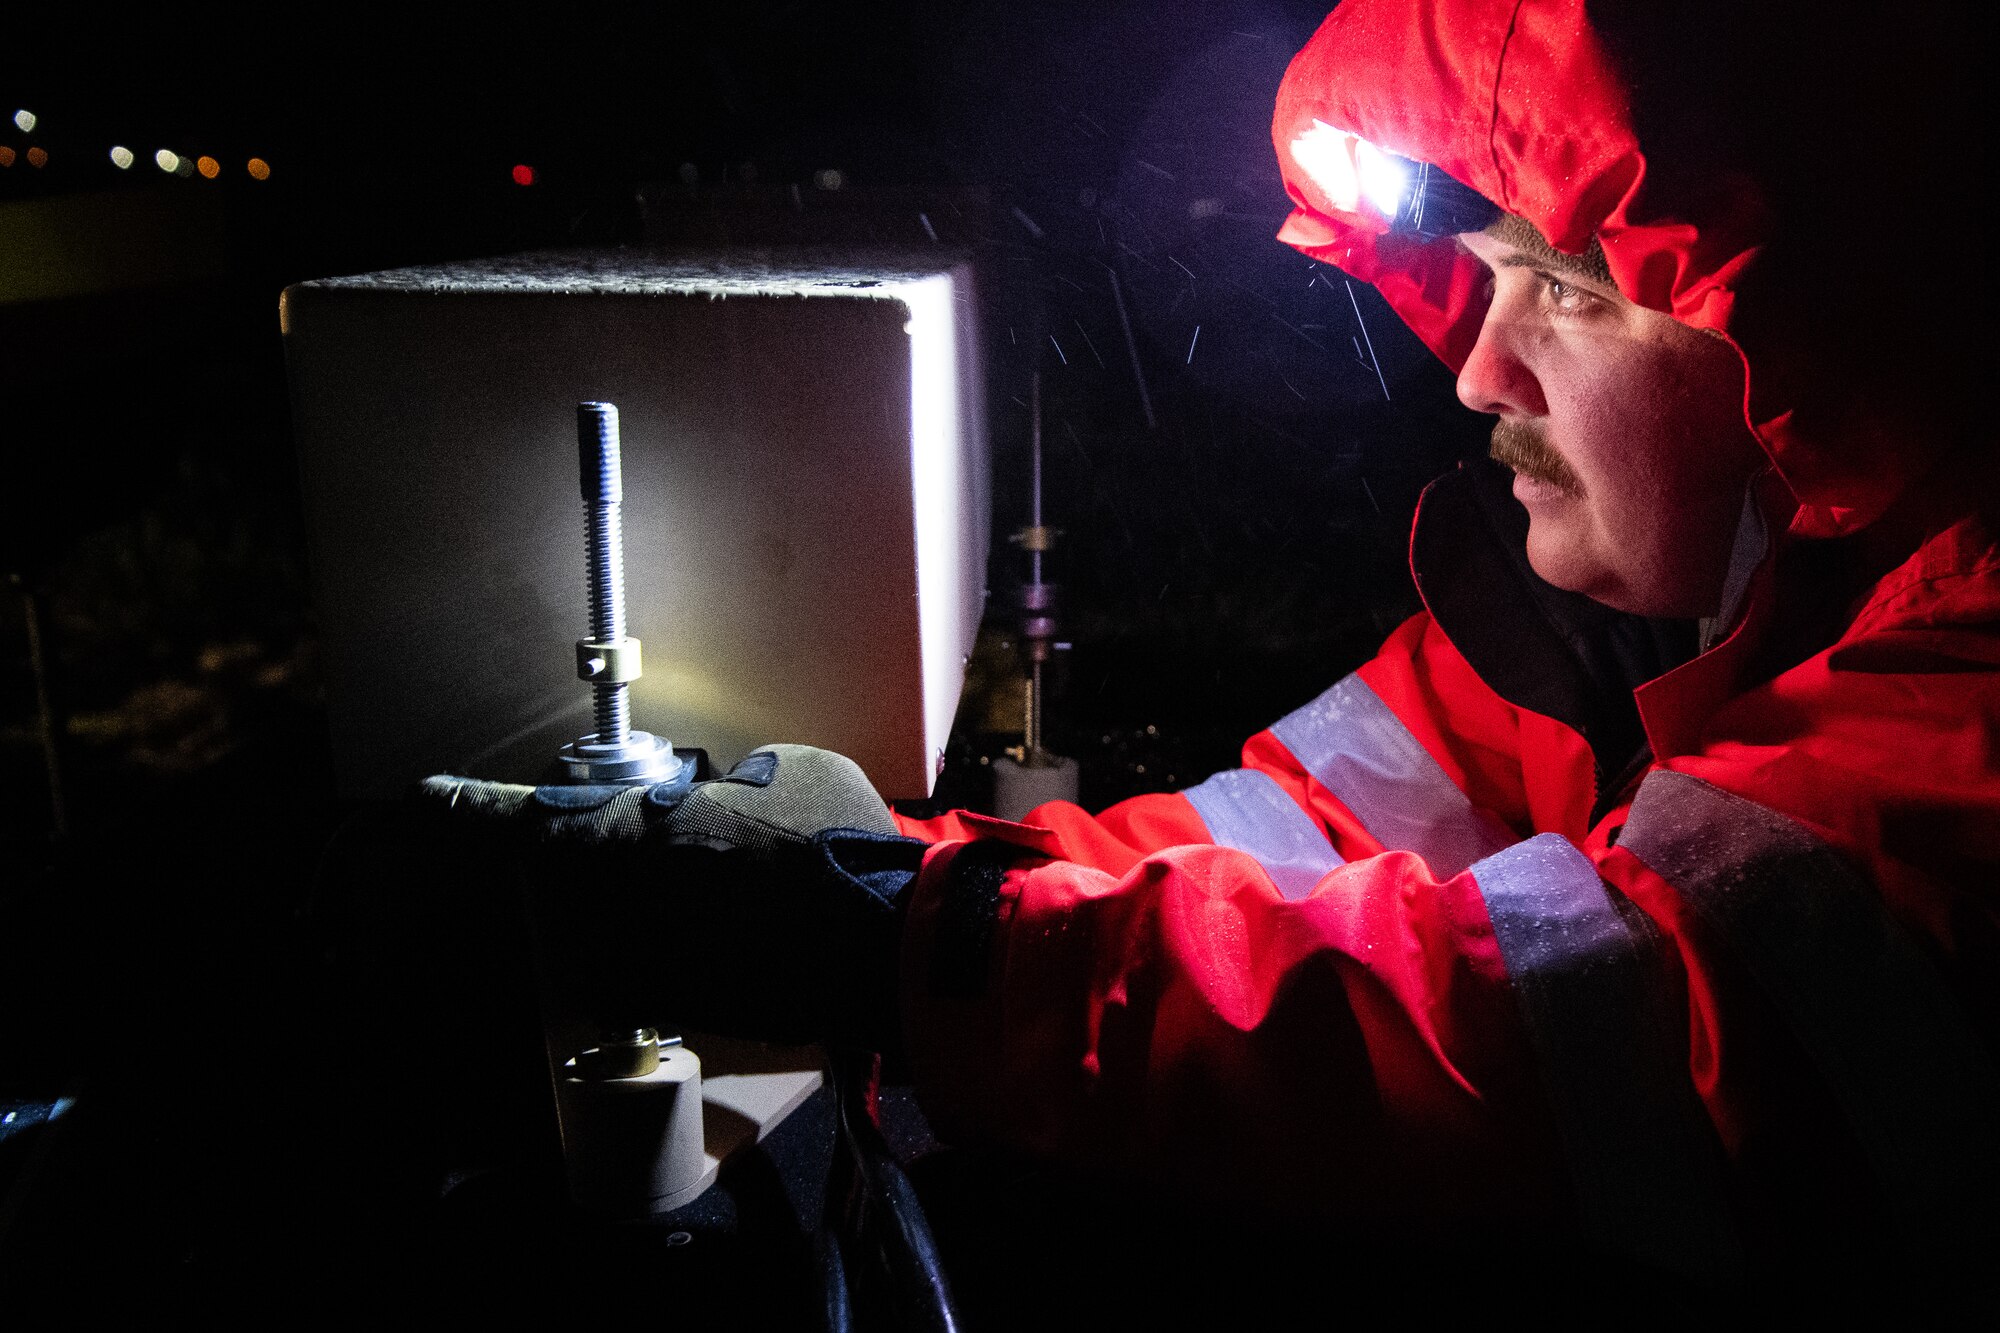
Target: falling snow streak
x: 1370, y: 341
x: 1185, y: 269
x: 929, y: 230
x: 1059, y: 350
x: 1191, y: 344
x: 1131, y: 348
x: 1034, y: 227
x: 1299, y: 331
x: 1077, y: 440
x: 1087, y: 342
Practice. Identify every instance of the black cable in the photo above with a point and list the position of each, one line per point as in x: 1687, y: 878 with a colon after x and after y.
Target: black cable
x: 918, y: 1287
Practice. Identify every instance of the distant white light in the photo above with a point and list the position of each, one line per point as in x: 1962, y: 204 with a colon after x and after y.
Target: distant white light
x: 26, y: 120
x: 168, y: 159
x: 121, y: 158
x: 830, y: 179
x: 1383, y: 179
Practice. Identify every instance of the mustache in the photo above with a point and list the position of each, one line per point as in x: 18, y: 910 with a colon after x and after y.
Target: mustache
x: 1521, y: 446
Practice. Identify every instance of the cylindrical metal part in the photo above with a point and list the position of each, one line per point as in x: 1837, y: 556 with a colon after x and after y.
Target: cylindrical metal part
x: 597, y: 454
x: 1031, y: 738
x: 1019, y: 788
x: 632, y: 1147
x: 611, y: 714
x: 633, y: 1053
x: 601, y: 478
x: 1035, y: 473
x: 606, y: 658
x: 604, y: 538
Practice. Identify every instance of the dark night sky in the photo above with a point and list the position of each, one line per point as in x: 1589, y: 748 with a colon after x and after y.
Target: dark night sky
x: 1222, y: 564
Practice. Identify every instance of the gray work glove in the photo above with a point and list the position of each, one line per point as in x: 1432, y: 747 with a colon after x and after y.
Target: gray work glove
x: 765, y: 903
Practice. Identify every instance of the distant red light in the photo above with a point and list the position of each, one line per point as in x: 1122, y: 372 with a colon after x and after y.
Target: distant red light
x: 524, y: 174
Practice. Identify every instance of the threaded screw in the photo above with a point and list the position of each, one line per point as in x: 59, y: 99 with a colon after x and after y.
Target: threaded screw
x: 603, y: 499
x: 605, y: 657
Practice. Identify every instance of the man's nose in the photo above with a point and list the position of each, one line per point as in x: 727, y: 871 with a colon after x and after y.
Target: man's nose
x: 1495, y: 379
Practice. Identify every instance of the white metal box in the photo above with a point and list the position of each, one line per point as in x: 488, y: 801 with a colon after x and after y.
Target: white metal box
x: 806, y: 510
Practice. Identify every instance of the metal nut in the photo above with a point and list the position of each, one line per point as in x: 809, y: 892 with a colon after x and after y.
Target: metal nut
x: 605, y: 661
x: 633, y: 1054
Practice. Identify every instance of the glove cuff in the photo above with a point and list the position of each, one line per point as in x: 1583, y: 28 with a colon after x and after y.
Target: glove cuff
x: 884, y: 867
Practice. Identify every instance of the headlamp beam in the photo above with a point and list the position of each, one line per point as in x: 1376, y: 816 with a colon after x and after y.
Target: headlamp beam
x: 1412, y: 197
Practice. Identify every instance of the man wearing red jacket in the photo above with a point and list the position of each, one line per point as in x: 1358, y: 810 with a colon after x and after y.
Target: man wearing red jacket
x: 1645, y: 882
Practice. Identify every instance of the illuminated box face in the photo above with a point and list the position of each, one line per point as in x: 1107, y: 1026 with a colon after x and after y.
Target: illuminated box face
x: 805, y: 505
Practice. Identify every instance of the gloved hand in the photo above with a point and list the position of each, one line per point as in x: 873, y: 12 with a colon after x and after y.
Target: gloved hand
x: 766, y: 903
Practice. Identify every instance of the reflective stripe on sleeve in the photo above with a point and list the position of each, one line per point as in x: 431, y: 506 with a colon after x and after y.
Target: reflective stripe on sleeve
x: 1913, y: 1079
x: 1249, y: 811
x: 1356, y: 747
x: 1642, y: 1155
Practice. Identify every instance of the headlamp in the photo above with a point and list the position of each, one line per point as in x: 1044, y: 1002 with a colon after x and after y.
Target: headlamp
x: 1414, y: 198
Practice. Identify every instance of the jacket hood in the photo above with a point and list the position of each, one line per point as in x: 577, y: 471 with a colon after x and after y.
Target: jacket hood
x: 1714, y: 155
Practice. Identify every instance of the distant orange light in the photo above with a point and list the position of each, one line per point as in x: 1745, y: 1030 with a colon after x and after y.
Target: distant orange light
x: 37, y: 156
x: 6, y: 156
x: 524, y: 174
x: 208, y: 167
x: 260, y: 169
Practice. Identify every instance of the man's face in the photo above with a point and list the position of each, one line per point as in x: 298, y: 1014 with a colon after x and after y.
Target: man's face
x: 1624, y: 428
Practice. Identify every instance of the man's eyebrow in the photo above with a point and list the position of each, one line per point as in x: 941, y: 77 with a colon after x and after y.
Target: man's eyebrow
x: 1574, y: 265
x: 1532, y: 250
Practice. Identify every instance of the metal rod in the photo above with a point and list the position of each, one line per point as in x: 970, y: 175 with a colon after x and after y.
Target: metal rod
x: 44, y: 714
x: 598, y: 469
x: 608, y: 658
x: 1035, y: 475
x: 1031, y: 731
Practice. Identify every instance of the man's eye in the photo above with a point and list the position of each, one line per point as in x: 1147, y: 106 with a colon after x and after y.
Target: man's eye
x: 1566, y: 297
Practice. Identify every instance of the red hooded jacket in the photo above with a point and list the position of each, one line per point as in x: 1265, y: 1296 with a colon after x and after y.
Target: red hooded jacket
x: 1434, y: 950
